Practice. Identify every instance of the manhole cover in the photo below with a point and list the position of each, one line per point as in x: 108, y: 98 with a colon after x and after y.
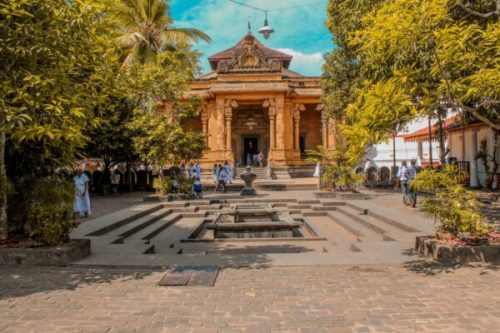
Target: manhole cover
x: 190, y: 276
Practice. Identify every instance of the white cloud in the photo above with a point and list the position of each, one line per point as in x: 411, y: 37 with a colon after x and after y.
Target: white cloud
x: 305, y: 64
x: 301, y: 29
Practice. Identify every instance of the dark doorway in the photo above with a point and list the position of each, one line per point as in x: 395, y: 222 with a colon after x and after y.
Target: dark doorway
x: 302, y: 145
x: 250, y: 148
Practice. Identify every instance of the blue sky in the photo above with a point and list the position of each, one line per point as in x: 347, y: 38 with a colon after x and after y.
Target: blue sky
x: 300, y: 32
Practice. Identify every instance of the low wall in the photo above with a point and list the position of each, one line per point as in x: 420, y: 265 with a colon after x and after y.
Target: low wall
x: 428, y: 246
x: 46, y: 256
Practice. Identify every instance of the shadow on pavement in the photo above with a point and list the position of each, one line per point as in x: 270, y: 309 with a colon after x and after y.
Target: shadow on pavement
x: 430, y: 267
x: 17, y: 281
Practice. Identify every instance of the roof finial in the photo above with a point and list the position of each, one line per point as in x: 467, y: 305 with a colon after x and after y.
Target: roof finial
x: 249, y: 25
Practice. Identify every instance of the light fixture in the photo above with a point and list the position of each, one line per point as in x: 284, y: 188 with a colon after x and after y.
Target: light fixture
x: 266, y: 30
x: 251, y: 123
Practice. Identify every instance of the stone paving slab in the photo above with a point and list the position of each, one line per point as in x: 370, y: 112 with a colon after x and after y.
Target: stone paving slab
x: 190, y: 276
x: 418, y: 296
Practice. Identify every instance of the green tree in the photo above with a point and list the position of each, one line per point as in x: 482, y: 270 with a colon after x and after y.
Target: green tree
x: 145, y: 30
x: 424, y: 57
x: 53, y: 76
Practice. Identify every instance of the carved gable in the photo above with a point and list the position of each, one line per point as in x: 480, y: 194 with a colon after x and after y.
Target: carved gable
x: 249, y: 55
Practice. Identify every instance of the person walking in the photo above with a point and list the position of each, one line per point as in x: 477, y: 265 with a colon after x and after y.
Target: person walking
x: 115, y: 181
x: 403, y: 181
x: 221, y: 181
x: 215, y: 175
x: 199, y: 169
x: 82, y: 198
x: 198, y: 188
x: 229, y: 172
x: 412, y: 174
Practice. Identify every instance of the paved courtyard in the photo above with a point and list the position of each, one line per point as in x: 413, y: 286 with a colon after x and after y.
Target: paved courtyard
x: 347, y: 282
x: 414, y: 297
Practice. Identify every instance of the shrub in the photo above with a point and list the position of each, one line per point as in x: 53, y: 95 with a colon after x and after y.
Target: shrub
x: 163, y: 185
x: 44, y: 208
x: 456, y: 208
x: 186, y: 185
x: 335, y: 171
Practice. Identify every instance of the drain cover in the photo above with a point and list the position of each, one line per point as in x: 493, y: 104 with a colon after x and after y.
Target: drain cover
x: 190, y: 276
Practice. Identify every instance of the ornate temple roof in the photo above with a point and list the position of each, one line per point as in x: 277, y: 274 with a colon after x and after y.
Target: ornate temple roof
x: 249, y: 45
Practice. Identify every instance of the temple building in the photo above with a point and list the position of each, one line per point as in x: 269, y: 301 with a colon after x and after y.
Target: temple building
x: 253, y: 102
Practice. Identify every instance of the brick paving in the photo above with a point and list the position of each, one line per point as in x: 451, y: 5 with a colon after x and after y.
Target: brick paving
x: 415, y: 297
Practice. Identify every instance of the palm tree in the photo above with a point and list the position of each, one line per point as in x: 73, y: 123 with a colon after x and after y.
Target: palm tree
x: 145, y: 28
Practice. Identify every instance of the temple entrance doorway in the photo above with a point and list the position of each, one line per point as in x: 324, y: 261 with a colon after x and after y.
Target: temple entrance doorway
x: 250, y: 148
x: 250, y: 130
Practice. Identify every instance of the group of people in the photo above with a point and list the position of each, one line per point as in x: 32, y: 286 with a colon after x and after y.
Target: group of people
x: 222, y: 174
x: 406, y: 175
x: 255, y: 160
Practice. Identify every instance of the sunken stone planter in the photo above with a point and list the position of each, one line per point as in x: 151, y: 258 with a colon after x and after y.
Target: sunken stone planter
x: 428, y: 246
x: 46, y: 256
x: 342, y: 195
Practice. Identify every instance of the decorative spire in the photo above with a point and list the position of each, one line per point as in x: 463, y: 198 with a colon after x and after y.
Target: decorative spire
x: 249, y: 25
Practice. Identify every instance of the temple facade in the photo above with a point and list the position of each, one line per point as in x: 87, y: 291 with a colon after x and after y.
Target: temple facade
x: 253, y: 103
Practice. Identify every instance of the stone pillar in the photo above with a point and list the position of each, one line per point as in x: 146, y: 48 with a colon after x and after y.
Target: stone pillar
x: 332, y: 133
x: 228, y: 112
x: 220, y: 124
x: 204, y: 123
x: 473, y: 161
x: 296, y: 125
x: 280, y: 123
x: 324, y: 125
x: 270, y: 104
x: 420, y: 150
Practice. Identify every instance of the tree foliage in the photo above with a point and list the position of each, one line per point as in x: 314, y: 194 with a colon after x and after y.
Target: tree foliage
x: 145, y: 29
x: 64, y: 91
x: 456, y: 208
x: 411, y: 58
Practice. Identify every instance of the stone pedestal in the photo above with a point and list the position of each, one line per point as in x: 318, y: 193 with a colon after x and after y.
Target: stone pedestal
x: 248, y: 177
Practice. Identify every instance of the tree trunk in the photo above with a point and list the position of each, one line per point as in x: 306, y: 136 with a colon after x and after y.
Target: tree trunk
x: 430, y: 142
x: 442, y: 148
x: 128, y: 175
x: 394, y: 151
x: 4, y: 228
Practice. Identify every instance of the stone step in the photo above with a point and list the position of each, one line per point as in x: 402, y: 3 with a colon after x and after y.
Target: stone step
x: 323, y: 208
x: 145, y: 222
x: 156, y: 228
x: 343, y: 222
x: 383, y: 218
x: 122, y: 222
x: 357, y: 217
x: 299, y: 206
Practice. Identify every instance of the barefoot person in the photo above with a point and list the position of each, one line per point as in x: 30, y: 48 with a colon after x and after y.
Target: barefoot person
x: 82, y: 199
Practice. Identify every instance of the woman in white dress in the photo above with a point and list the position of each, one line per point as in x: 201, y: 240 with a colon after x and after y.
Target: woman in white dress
x: 229, y: 172
x: 82, y: 198
x: 317, y: 170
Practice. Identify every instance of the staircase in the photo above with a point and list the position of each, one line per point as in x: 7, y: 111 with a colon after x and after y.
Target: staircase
x: 260, y: 172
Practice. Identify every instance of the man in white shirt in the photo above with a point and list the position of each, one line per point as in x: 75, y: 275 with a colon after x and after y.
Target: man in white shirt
x: 403, y: 181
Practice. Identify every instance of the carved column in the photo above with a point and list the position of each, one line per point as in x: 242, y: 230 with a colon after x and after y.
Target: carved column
x: 270, y: 104
x: 204, y: 122
x: 220, y: 124
x: 296, y: 125
x: 228, y: 112
x: 332, y: 138
x: 280, y: 123
x: 324, y: 124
